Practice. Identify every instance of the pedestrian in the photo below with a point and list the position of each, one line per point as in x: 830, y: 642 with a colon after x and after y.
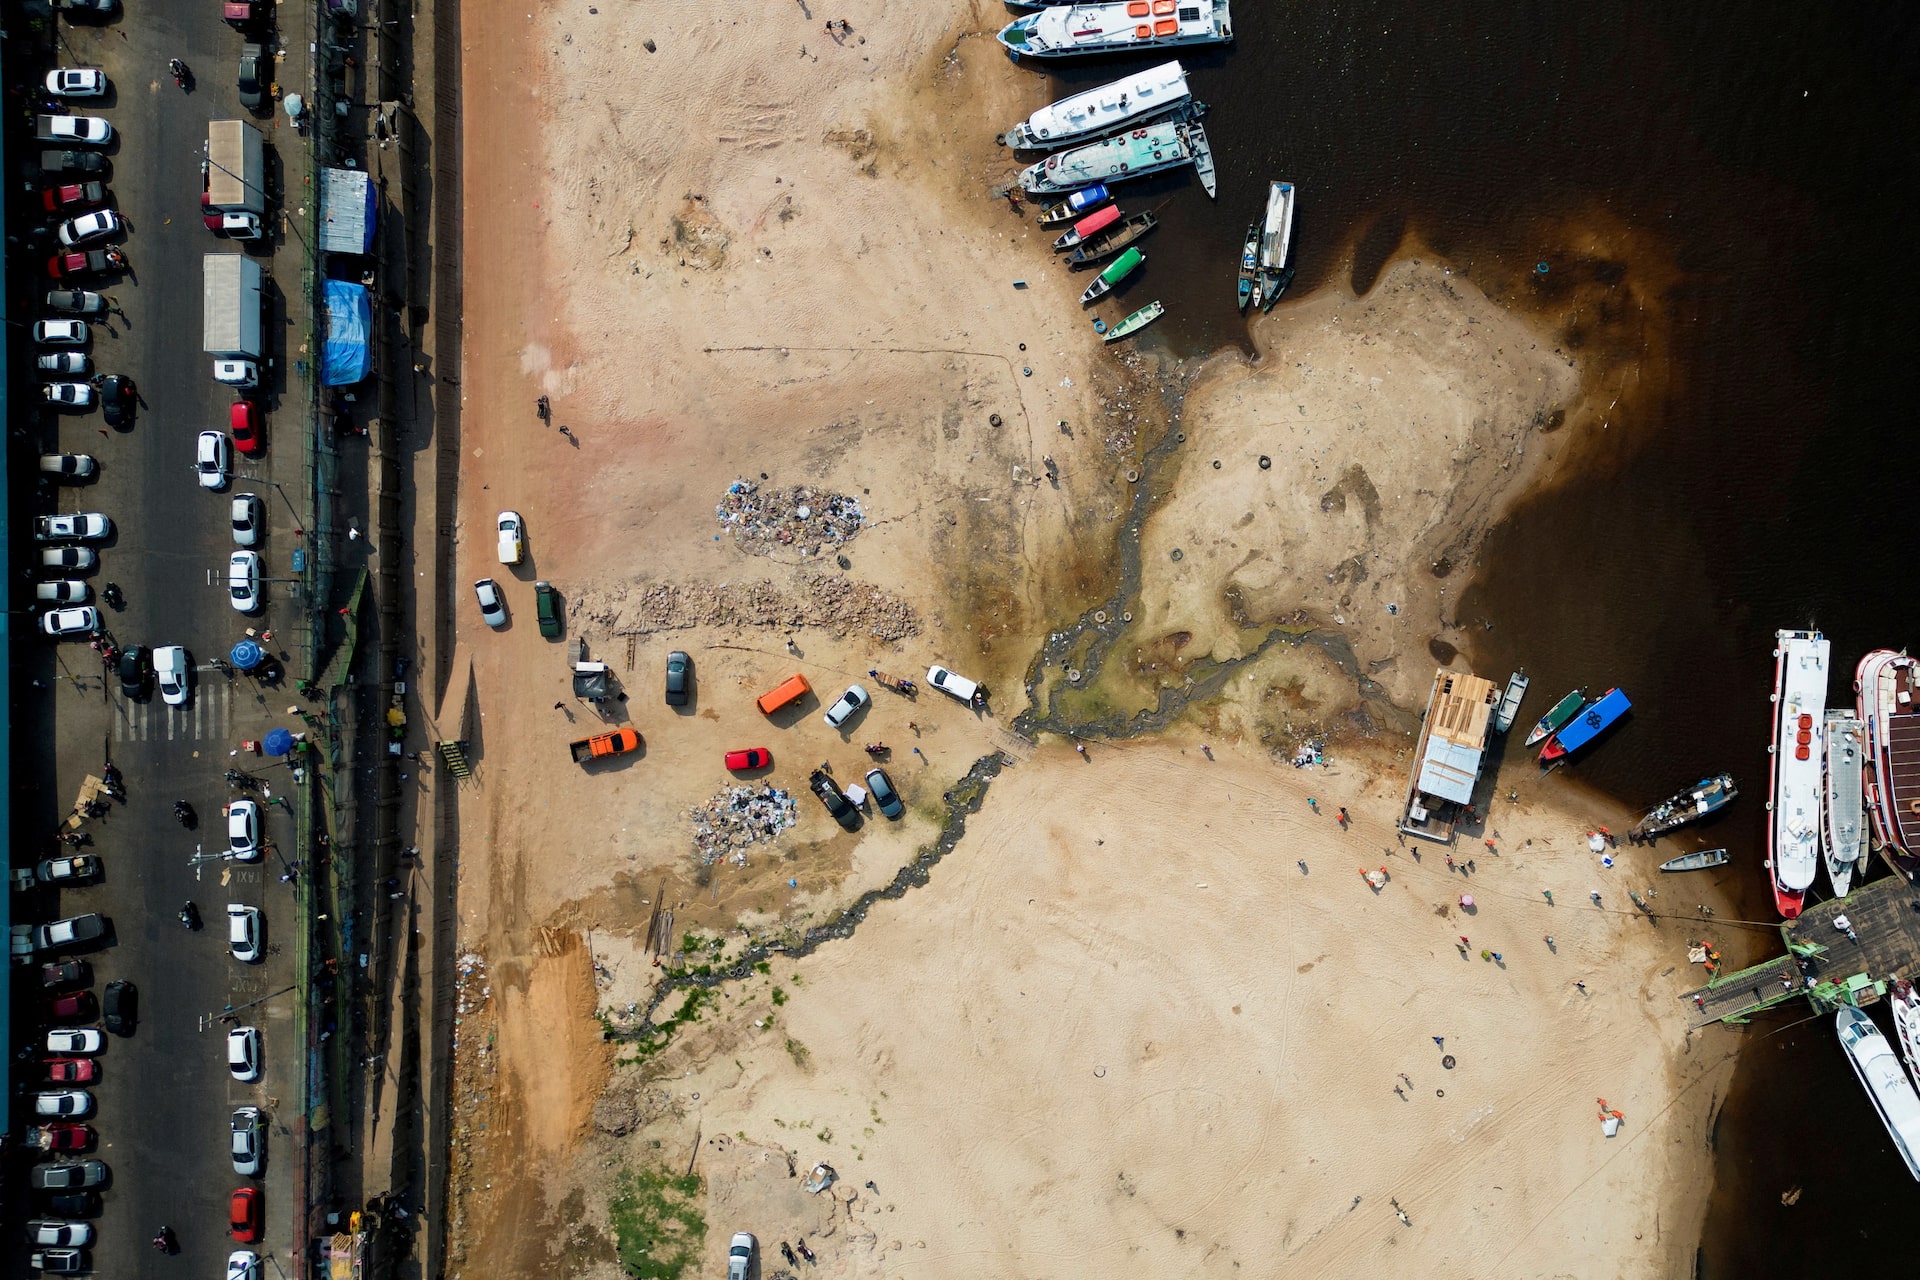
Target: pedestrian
x: 1470, y: 864
x: 542, y: 408
x: 911, y: 725
x: 1405, y: 1081
x: 1700, y: 1001
x: 353, y: 534
x: 1581, y: 985
x: 1206, y: 751
x: 1450, y: 862
x: 1549, y: 938
x: 1302, y: 864
x: 560, y: 706
x: 1595, y: 895
x: 1497, y: 957
x: 1081, y: 747
x: 1549, y: 894
x: 1403, y: 1096
x: 566, y: 431
x: 1441, y: 1041
x: 1464, y: 942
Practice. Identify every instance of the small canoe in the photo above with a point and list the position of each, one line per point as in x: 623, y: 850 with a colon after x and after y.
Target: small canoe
x: 1698, y: 860
x: 1077, y: 205
x: 1119, y: 269
x: 1276, y: 282
x: 1099, y: 220
x: 1111, y: 241
x: 1135, y: 323
x: 1561, y: 712
x: 1510, y: 704
x: 1249, y: 263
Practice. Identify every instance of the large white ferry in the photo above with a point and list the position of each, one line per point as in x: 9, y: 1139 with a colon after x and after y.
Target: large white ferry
x: 1121, y: 26
x: 1794, y: 803
x: 1879, y: 1071
x: 1098, y: 111
x: 1846, y: 808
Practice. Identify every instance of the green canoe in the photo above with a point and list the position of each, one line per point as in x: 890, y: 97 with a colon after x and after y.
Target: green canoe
x: 1120, y: 268
x: 1135, y: 322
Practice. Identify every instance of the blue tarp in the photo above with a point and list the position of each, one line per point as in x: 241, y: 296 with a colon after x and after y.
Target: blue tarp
x: 278, y: 742
x: 347, y: 356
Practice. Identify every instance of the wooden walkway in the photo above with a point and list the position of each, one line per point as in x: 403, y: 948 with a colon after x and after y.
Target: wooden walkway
x: 1885, y: 945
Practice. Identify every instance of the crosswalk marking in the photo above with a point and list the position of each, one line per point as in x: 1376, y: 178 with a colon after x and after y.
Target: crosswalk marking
x: 209, y: 717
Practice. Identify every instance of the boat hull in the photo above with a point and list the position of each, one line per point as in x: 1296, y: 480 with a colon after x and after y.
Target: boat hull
x: 1796, y: 758
x: 1558, y: 714
x: 1891, y: 1093
x: 1905, y: 1003
x: 1086, y: 30
x: 1603, y: 714
x: 1134, y: 323
x: 1111, y: 241
x: 1703, y: 799
x: 1698, y: 860
x: 1844, y: 808
x: 1119, y: 269
x: 1088, y: 115
x: 1510, y: 702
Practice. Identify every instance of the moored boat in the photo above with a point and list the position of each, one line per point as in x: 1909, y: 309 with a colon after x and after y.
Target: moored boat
x: 1134, y: 323
x: 1121, y: 26
x: 1698, y: 860
x: 1097, y: 111
x: 1249, y: 263
x: 1795, y: 787
x: 1274, y: 283
x: 1510, y: 703
x: 1593, y: 720
x: 1558, y: 714
x: 1163, y: 144
x: 1905, y: 1002
x: 1111, y: 241
x: 1276, y: 233
x: 1891, y: 1092
x: 1117, y: 270
x: 1099, y: 220
x: 1076, y: 205
x: 1887, y: 696
x: 1702, y: 798
x: 1845, y: 809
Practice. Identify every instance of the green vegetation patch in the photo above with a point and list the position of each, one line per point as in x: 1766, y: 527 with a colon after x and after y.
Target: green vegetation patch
x: 657, y: 1228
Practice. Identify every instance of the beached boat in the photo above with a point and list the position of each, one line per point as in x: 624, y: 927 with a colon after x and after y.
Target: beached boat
x: 1276, y: 232
x: 1793, y: 804
x: 1249, y: 264
x: 1077, y: 205
x: 1593, y: 720
x: 1122, y: 26
x: 1558, y: 714
x: 1892, y: 1093
x: 1698, y: 860
x: 1112, y: 106
x: 1098, y: 220
x: 1117, y: 270
x: 1510, y: 703
x: 1845, y: 800
x: 1151, y: 148
x: 1111, y: 241
x: 1706, y: 796
x: 1905, y: 1002
x: 1134, y: 323
x: 1273, y: 284
x: 1886, y: 686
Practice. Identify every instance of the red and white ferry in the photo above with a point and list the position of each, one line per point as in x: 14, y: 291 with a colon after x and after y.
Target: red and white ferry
x: 1886, y: 685
x: 1798, y: 752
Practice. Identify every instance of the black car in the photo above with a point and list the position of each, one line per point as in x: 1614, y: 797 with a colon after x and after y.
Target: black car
x: 253, y: 76
x: 120, y: 1005
x: 74, y: 1204
x: 73, y: 162
x: 679, y: 678
x: 836, y: 801
x: 66, y: 975
x: 885, y: 797
x: 118, y: 397
x: 136, y: 670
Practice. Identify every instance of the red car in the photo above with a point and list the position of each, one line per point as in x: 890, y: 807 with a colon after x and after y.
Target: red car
x: 751, y: 758
x: 76, y: 1006
x: 243, y: 1214
x: 244, y: 419
x: 71, y: 1070
x: 74, y: 195
x: 68, y: 1135
x: 82, y: 262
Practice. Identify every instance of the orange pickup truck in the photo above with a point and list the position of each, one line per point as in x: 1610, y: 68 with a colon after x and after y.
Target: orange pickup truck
x: 602, y: 746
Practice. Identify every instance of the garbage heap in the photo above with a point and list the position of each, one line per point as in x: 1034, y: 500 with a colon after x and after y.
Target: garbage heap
x: 726, y: 825
x: 810, y: 522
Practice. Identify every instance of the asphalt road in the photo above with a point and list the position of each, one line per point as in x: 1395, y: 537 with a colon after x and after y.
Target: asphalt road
x: 165, y: 1095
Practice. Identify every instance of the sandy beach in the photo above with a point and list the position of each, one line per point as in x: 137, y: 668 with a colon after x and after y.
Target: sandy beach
x: 1120, y: 1021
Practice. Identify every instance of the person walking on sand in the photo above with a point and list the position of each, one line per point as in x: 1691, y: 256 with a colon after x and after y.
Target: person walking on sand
x: 1549, y: 894
x: 1341, y: 817
x: 1464, y: 942
x: 1450, y: 862
x: 1498, y: 958
x: 1581, y: 985
x: 1302, y: 864
x: 1081, y: 747
x: 1485, y: 954
x: 1313, y: 804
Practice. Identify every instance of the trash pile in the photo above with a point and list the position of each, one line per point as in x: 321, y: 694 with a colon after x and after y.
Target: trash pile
x: 1310, y: 753
x: 833, y: 601
x: 737, y: 817
x: 807, y: 520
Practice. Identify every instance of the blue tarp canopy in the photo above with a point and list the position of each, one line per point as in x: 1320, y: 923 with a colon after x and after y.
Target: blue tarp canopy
x: 246, y: 655
x: 279, y: 742
x: 346, y: 358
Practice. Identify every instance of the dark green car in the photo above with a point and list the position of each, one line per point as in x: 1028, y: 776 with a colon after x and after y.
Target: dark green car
x: 546, y: 602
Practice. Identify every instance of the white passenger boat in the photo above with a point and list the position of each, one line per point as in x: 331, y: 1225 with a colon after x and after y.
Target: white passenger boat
x: 1102, y: 110
x: 1846, y: 804
x: 1276, y: 235
x: 1121, y: 26
x: 1892, y: 1093
x: 1150, y: 148
x: 1797, y: 782
x: 1905, y: 1002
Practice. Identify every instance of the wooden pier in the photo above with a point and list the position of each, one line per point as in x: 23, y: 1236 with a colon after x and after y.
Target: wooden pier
x: 1885, y: 944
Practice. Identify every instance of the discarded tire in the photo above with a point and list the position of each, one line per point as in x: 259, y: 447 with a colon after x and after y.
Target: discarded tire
x: 1133, y: 477
x: 1447, y: 1062
x: 993, y: 419
x: 1099, y: 615
x: 1177, y: 554
x: 1180, y: 438
x: 1073, y: 675
x: 1265, y: 462
x: 1216, y: 464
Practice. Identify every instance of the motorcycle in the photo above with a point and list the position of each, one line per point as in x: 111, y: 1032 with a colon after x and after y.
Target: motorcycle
x: 180, y: 73
x: 878, y: 750
x: 185, y: 814
x: 190, y: 917
x: 163, y: 1240
x: 111, y: 594
x: 807, y: 1253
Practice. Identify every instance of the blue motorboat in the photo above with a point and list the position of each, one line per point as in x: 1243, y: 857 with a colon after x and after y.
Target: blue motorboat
x: 1592, y: 721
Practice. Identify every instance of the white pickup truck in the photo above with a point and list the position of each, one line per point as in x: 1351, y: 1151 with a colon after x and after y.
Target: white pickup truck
x: 513, y: 537
x: 954, y: 685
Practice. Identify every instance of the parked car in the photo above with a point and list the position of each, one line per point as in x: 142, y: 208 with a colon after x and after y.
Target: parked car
x: 90, y: 130
x: 69, y: 1175
x: 243, y: 1264
x: 68, y: 395
x: 72, y: 196
x: 546, y: 607
x: 120, y: 1007
x: 740, y: 1256
x: 85, y: 262
x: 74, y: 1204
x: 73, y: 1006
x: 823, y: 785
x: 60, y: 974
x: 68, y: 559
x: 954, y: 686
x: 118, y: 399
x: 82, y: 526
x: 236, y: 373
x: 248, y: 519
x: 243, y: 419
x: 76, y: 82
x: 243, y: 1053
x: 170, y: 668
x: 243, y: 932
x: 254, y: 72
x: 679, y: 678
x: 749, y: 758
x: 101, y: 7
x: 81, y: 866
x: 62, y: 333
x: 71, y: 1070
x: 62, y: 1135
x: 65, y: 624
x: 849, y: 702
x: 45, y: 1231
x: 249, y: 1142
x: 79, y: 302
x: 59, y: 1262
x: 213, y: 461
x: 67, y: 466
x: 62, y: 1102
x: 243, y: 581
x: 86, y: 229
x: 493, y: 606
x: 72, y: 364
x: 244, y: 15
x: 57, y: 162
x: 885, y: 797
x: 135, y: 668
x: 72, y: 932
x: 243, y: 830
x: 62, y: 591
x: 237, y: 226
x: 68, y: 1041
x: 513, y: 537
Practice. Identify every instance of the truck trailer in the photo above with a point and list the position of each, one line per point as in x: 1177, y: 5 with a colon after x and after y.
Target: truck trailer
x: 233, y: 307
x: 236, y: 168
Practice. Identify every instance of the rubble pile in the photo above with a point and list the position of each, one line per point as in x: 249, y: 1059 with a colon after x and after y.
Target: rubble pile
x: 724, y: 826
x: 809, y: 521
x: 838, y: 603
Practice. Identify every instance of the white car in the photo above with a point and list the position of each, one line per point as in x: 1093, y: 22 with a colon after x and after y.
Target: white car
x: 74, y: 364
x: 62, y: 591
x: 214, y: 461
x: 170, y: 669
x: 243, y: 932
x: 70, y: 82
x: 249, y: 1141
x: 62, y: 333
x: 851, y: 701
x: 68, y: 395
x: 88, y: 227
x: 67, y: 466
x: 493, y: 606
x: 243, y: 1053
x: 68, y: 558
x: 248, y: 519
x: 71, y: 1040
x: 242, y: 226
x: 78, y: 129
x: 50, y: 1231
x: 62, y: 623
x: 81, y: 526
x: 236, y: 373
x: 740, y: 1256
x: 243, y: 1264
x: 243, y: 581
x: 79, y: 301
x: 954, y: 686
x: 64, y: 1102
x: 243, y: 830
x: 513, y: 537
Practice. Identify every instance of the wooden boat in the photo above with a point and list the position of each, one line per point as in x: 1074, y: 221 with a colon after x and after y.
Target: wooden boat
x: 1249, y: 261
x: 1077, y: 205
x: 1698, y: 860
x: 1119, y: 269
x: 1096, y: 221
x: 1134, y: 323
x: 1510, y: 704
x: 1276, y: 234
x: 1274, y: 284
x: 1557, y: 715
x: 1709, y: 795
x: 1111, y: 241
x: 1592, y: 721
